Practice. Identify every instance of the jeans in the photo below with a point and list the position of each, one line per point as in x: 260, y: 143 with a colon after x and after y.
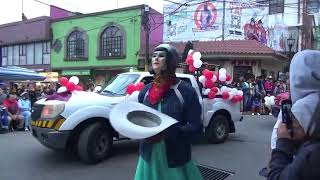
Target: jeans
x: 4, y: 118
x: 26, y: 115
x: 246, y: 102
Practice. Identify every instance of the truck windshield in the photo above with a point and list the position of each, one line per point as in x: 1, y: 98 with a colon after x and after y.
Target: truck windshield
x: 119, y: 83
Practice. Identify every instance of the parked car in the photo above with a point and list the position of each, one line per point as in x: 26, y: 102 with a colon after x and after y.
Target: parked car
x: 82, y: 124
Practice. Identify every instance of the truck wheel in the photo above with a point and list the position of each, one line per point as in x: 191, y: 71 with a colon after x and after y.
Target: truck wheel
x: 95, y: 143
x: 218, y: 129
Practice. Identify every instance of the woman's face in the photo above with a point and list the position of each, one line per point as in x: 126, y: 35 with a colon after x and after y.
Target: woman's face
x: 159, y: 61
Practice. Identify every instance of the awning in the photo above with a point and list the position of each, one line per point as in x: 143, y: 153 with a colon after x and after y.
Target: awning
x: 14, y: 73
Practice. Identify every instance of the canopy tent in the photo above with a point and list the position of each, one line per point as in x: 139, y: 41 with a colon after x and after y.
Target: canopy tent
x: 14, y: 73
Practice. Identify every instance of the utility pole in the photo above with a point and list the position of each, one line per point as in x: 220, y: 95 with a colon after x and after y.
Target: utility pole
x: 303, y: 29
x: 147, y: 30
x: 223, y: 19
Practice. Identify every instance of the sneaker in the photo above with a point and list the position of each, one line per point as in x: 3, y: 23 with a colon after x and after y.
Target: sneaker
x: 26, y: 129
x: 259, y: 114
x: 252, y: 114
x: 270, y: 114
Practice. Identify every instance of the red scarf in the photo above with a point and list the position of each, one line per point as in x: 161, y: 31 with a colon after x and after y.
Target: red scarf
x: 160, y: 87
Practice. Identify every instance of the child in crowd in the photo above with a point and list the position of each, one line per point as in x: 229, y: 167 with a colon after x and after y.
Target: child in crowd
x: 256, y: 104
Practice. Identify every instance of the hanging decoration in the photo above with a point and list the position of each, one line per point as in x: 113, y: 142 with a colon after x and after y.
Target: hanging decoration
x: 209, y: 80
x: 69, y: 85
x: 133, y: 91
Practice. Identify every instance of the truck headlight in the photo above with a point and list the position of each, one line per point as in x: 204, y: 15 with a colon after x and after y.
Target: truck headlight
x: 52, y: 111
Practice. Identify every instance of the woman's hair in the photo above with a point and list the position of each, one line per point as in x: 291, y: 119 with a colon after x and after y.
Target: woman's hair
x: 172, y: 58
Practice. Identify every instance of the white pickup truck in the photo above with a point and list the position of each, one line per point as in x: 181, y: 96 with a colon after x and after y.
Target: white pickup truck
x: 81, y: 123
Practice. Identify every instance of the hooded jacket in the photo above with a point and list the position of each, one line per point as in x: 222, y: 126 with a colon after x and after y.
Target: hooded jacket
x: 287, y: 163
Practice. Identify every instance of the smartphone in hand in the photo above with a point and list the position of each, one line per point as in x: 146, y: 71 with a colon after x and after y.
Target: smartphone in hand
x: 286, y: 115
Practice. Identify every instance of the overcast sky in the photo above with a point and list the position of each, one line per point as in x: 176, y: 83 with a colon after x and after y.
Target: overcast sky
x: 10, y: 10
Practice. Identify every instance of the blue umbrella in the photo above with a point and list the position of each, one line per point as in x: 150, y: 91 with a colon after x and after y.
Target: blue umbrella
x: 19, y: 74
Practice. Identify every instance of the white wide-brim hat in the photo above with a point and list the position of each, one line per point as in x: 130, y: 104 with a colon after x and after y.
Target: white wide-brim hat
x: 137, y: 121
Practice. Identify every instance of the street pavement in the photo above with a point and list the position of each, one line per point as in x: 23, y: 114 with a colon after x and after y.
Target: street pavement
x: 244, y: 154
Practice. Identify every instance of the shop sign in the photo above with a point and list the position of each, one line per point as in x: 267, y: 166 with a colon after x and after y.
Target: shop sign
x: 50, y: 76
x: 75, y: 72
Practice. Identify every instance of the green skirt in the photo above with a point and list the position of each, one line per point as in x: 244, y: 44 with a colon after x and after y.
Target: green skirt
x: 157, y: 168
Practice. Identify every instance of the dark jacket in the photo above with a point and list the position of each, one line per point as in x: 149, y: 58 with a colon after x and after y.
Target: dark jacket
x: 305, y: 165
x: 177, y: 137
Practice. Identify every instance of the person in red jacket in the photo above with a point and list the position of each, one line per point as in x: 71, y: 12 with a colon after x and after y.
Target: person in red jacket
x: 15, y: 119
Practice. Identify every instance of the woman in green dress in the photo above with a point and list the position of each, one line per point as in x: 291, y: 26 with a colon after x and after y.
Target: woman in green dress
x: 167, y: 156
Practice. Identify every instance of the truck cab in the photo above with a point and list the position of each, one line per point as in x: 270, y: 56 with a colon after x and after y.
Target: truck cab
x: 81, y: 123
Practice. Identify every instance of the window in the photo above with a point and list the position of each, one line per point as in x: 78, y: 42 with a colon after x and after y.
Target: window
x: 22, y: 50
x: 313, y: 6
x: 76, y: 45
x: 111, y: 42
x: 46, y: 48
x: 4, y: 52
x: 276, y: 6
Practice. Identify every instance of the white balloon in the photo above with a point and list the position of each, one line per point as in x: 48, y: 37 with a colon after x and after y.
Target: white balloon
x: 219, y: 92
x: 134, y: 96
x: 214, y: 78
x: 222, y: 77
x: 202, y: 79
x: 196, y: 56
x: 206, y: 92
x: 224, y: 89
x: 234, y: 91
x: 231, y: 96
x: 62, y: 89
x: 240, y: 93
x: 190, y: 51
x: 197, y: 63
x: 222, y: 71
x: 97, y: 89
x: 74, y: 79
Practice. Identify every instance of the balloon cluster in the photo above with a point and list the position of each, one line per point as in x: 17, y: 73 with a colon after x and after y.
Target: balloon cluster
x: 209, y: 79
x: 69, y: 84
x: 194, y: 60
x: 133, y: 91
x: 132, y: 88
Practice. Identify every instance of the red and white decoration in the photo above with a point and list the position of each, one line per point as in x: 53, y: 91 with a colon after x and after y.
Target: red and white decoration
x: 133, y: 91
x: 209, y: 80
x: 69, y: 84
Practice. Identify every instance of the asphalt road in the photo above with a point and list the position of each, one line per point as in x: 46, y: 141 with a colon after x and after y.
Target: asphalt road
x: 244, y: 154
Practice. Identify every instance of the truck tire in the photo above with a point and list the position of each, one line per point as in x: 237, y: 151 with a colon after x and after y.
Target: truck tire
x: 218, y: 129
x: 95, y: 143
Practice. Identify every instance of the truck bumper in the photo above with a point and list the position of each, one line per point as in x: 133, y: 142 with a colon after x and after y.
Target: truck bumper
x: 51, y: 138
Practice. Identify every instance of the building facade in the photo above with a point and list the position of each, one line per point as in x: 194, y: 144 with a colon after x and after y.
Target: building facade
x: 97, y: 46
x: 26, y: 44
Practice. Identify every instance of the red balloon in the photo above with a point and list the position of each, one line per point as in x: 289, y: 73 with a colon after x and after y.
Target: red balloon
x: 192, y: 68
x: 140, y: 86
x: 228, y: 77
x: 208, y: 74
x: 189, y: 61
x: 215, y: 90
x: 131, y: 88
x: 225, y: 95
x: 235, y: 99
x: 211, y: 95
x: 63, y: 81
x: 78, y: 88
x: 208, y: 84
x: 70, y: 86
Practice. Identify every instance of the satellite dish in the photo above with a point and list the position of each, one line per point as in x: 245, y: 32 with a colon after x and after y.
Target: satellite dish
x: 57, y: 46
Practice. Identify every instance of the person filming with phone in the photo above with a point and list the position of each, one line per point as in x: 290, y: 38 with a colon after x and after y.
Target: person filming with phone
x: 296, y: 156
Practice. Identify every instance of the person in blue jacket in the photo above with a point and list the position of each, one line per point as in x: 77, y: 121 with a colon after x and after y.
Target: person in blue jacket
x: 167, y: 156
x: 296, y: 156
